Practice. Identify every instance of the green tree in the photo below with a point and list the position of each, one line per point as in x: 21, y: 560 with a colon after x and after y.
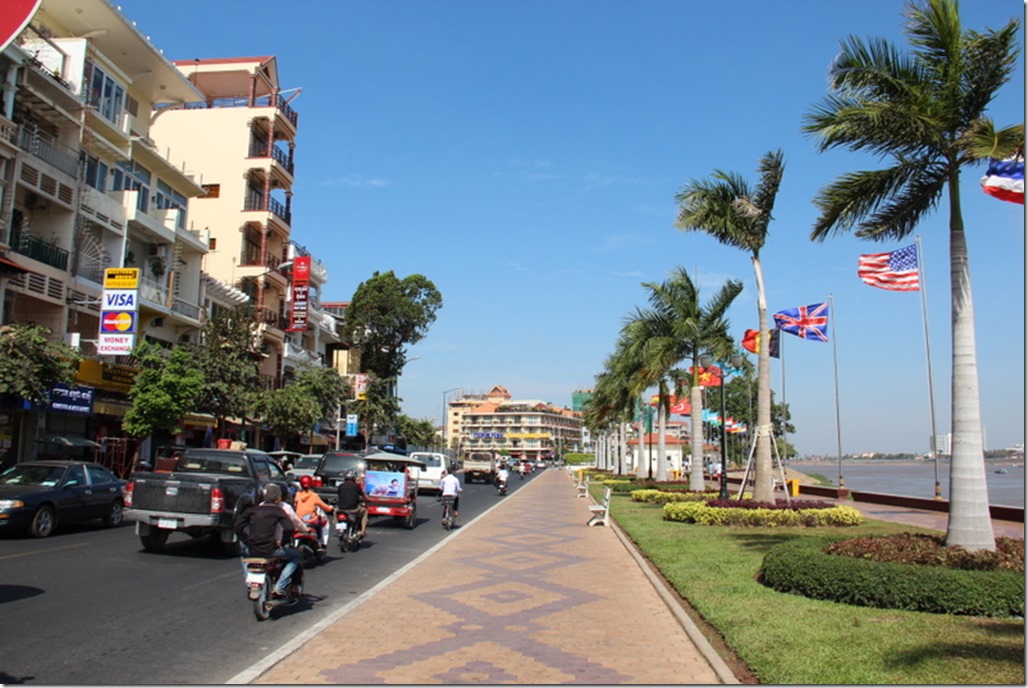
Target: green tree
x: 31, y: 364
x: 288, y: 411
x: 386, y: 315
x: 924, y: 111
x: 228, y: 355
x: 728, y: 209
x: 675, y: 328
x: 376, y: 410
x: 326, y: 387
x: 418, y: 432
x: 166, y: 388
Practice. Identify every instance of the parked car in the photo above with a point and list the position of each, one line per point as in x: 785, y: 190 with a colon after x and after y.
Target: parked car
x: 305, y: 464
x: 432, y: 473
x: 37, y: 496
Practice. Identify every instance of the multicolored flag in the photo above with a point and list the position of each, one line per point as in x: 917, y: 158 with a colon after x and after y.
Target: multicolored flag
x: 896, y: 271
x: 1005, y: 179
x: 806, y: 322
x: 709, y: 376
x: 751, y: 342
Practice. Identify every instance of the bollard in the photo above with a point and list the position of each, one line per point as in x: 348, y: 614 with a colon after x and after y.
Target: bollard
x: 793, y: 486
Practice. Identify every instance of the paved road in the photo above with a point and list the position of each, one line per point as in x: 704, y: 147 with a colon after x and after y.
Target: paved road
x: 91, y: 607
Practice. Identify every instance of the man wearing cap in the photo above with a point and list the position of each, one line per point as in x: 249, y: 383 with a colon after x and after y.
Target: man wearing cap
x: 264, y: 528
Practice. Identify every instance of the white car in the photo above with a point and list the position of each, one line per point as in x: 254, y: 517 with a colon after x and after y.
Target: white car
x: 435, y: 464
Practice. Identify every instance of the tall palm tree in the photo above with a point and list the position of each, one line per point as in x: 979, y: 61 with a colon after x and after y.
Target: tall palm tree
x: 728, y: 209
x: 677, y: 327
x: 926, y: 112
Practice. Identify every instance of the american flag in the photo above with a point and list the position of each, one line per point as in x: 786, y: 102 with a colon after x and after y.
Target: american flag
x: 1005, y: 179
x: 807, y: 322
x: 896, y: 271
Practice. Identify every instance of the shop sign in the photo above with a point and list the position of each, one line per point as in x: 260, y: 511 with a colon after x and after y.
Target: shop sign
x: 488, y: 435
x: 71, y: 399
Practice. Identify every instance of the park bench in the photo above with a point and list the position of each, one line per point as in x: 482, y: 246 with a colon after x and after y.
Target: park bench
x: 582, y: 486
x: 600, y: 512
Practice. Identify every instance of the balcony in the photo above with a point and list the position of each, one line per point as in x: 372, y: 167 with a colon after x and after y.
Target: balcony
x: 57, y: 154
x: 272, y: 100
x: 256, y: 201
x: 259, y: 149
x: 183, y: 307
x: 269, y: 317
x: 37, y: 249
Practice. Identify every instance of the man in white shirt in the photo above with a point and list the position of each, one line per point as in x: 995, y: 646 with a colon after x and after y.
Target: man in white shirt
x: 450, y: 487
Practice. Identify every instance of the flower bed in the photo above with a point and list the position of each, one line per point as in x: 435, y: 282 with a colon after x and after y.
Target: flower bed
x: 704, y: 514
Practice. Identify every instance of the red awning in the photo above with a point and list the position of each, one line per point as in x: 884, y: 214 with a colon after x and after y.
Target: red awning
x: 8, y: 264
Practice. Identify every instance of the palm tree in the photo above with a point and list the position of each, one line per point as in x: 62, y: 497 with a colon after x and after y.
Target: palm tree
x: 675, y: 328
x: 726, y: 208
x: 925, y: 112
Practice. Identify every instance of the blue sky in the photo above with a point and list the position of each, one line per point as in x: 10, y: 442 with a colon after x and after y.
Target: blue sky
x: 524, y: 156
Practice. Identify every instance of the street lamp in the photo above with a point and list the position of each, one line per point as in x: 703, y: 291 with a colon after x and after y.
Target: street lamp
x: 735, y: 362
x: 445, y: 392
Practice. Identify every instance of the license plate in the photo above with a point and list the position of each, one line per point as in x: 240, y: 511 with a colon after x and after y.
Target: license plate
x: 169, y: 523
x: 254, y: 578
x: 382, y: 509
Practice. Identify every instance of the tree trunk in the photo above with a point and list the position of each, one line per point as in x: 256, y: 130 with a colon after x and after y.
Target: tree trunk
x: 623, y: 449
x: 696, y: 449
x: 970, y: 524
x: 661, y: 443
x: 763, y: 490
x: 640, y: 464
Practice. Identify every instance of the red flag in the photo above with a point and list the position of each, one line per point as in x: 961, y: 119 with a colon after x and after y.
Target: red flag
x: 751, y: 342
x: 709, y: 376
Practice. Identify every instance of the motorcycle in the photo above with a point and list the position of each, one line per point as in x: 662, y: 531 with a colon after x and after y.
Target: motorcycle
x: 262, y: 574
x: 311, y: 546
x: 349, y: 530
x: 501, y: 486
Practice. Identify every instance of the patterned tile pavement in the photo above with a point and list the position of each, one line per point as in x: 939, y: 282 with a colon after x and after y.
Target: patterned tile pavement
x: 545, y: 600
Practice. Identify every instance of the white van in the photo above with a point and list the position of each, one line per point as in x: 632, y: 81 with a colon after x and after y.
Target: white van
x: 435, y: 464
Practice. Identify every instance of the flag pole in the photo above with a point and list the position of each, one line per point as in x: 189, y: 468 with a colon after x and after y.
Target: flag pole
x: 928, y: 358
x: 835, y: 357
x: 781, y: 359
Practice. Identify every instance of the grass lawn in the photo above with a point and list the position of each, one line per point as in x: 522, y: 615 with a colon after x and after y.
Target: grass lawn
x: 789, y: 639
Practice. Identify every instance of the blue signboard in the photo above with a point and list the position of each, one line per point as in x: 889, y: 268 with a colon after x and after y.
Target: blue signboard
x: 71, y: 399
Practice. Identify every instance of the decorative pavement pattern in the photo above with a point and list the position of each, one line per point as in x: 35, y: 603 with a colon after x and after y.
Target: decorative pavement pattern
x: 528, y: 594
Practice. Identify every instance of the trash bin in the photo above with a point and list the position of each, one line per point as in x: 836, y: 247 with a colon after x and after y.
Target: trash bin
x: 793, y: 486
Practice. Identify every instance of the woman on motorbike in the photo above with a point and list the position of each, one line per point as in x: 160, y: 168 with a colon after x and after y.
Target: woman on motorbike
x: 307, y: 504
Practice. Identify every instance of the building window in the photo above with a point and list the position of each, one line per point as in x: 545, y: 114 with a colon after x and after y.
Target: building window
x: 106, y: 95
x: 96, y: 173
x: 211, y: 190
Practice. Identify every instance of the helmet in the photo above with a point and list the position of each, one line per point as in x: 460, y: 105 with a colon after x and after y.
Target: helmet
x: 306, y: 481
x: 350, y: 475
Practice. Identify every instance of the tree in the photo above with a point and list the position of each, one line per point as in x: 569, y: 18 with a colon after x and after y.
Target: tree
x: 386, y: 315
x: 326, y: 387
x: 166, y: 388
x: 418, y: 432
x: 376, y: 410
x: 675, y: 328
x: 926, y: 113
x: 288, y: 411
x: 31, y: 364
x: 227, y: 356
x: 726, y: 208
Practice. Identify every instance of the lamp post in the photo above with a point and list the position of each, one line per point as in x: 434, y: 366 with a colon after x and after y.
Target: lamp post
x: 735, y: 362
x: 445, y: 392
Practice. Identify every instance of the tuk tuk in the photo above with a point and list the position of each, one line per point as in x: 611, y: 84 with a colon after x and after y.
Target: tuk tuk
x: 391, y: 486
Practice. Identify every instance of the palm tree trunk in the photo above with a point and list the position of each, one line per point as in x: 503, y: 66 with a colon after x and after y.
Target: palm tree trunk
x: 970, y: 524
x: 763, y: 490
x: 640, y: 465
x: 696, y: 400
x: 623, y: 455
x: 661, y: 443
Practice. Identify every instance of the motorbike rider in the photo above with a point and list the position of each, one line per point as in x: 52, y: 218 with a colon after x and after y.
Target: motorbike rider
x: 522, y: 468
x: 352, y: 500
x: 264, y: 528
x: 308, y: 502
x: 449, y: 486
x: 501, y: 476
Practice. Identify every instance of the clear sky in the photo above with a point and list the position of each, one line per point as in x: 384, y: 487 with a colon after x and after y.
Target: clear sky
x: 524, y: 156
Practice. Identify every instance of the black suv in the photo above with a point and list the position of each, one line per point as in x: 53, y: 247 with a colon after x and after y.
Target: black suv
x: 332, y: 469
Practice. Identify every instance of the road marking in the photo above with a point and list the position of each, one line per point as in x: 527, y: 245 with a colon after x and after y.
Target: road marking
x: 42, y: 551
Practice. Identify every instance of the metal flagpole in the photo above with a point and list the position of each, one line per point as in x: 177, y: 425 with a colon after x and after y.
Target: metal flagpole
x: 781, y: 359
x: 835, y: 356
x: 928, y: 358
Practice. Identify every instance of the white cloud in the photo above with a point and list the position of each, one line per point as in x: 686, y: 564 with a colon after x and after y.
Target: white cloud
x: 356, y: 181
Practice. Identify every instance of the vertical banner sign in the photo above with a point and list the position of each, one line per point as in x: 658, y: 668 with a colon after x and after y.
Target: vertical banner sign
x: 300, y: 294
x: 351, y: 425
x: 119, y: 312
x: 360, y: 387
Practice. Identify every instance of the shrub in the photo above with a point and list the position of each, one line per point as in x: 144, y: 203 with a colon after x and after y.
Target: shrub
x: 931, y: 550
x: 662, y: 497
x: 803, y: 567
x: 619, y: 485
x: 794, y: 505
x: 701, y: 513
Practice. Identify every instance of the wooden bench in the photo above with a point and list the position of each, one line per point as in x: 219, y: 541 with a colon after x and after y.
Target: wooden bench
x: 600, y: 512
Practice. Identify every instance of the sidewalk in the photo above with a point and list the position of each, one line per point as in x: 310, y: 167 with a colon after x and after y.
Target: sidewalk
x: 526, y: 594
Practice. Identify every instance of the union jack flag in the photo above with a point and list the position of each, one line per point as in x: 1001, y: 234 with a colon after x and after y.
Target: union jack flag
x: 807, y: 322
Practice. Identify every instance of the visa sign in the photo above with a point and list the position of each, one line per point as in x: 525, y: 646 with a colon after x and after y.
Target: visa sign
x: 120, y: 300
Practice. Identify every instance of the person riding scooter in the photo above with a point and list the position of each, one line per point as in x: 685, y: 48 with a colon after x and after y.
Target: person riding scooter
x: 307, y: 504
x: 501, y: 479
x: 264, y: 528
x: 352, y: 500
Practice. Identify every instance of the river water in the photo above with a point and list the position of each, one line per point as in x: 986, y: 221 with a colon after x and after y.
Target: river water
x: 916, y: 478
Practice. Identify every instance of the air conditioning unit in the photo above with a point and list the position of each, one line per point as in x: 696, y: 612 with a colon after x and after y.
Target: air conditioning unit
x: 34, y: 201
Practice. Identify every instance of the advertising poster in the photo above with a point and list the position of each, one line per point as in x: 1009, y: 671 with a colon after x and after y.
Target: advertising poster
x: 385, y: 484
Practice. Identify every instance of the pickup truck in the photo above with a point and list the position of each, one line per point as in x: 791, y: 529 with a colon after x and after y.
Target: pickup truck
x: 479, y: 465
x: 200, y: 496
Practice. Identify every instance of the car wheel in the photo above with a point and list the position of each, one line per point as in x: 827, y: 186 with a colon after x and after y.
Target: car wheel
x: 115, y: 515
x: 43, y: 523
x: 155, y: 539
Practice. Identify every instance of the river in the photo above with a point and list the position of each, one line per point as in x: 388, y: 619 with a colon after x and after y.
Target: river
x: 916, y: 478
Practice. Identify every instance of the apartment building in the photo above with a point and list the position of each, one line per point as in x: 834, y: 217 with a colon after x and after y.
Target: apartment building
x: 528, y: 428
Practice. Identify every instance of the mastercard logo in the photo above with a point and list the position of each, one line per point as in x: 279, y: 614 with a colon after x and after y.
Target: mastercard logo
x: 118, y: 322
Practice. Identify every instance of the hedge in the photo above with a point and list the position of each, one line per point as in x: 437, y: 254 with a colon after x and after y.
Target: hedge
x: 803, y: 567
x: 698, y: 512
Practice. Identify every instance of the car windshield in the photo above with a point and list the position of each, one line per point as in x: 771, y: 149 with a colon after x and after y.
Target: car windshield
x: 48, y: 476
x: 337, y: 463
x: 309, y: 461
x: 429, y: 460
x: 199, y: 461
